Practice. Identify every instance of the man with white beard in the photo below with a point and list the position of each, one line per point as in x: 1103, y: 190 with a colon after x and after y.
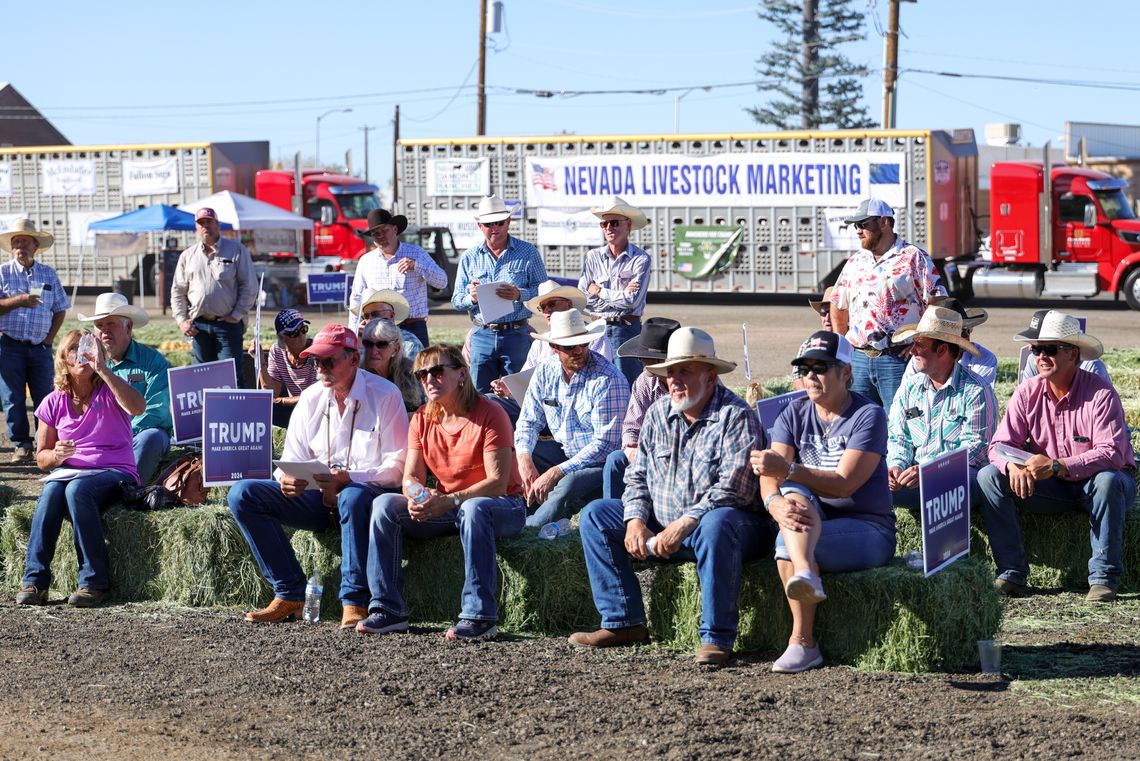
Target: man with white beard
x: 690, y: 495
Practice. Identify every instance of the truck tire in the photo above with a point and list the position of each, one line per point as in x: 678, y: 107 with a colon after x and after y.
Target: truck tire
x: 1131, y: 288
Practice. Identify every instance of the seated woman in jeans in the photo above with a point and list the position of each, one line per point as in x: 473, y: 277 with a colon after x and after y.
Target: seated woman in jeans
x: 467, y: 442
x: 824, y: 481
x: 84, y: 430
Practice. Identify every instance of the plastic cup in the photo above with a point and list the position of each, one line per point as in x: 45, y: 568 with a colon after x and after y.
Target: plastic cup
x: 989, y: 653
x: 36, y: 290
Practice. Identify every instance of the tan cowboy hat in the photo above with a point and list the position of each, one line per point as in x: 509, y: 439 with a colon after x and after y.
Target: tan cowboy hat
x: 938, y: 323
x: 25, y: 227
x: 552, y: 289
x: 614, y: 205
x: 1060, y: 328
x: 691, y: 345
x: 569, y: 328
x: 824, y: 299
x: 492, y: 209
x: 115, y: 305
x: 373, y: 296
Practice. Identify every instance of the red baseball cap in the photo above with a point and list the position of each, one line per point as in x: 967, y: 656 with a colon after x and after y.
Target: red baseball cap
x: 205, y: 213
x: 331, y: 339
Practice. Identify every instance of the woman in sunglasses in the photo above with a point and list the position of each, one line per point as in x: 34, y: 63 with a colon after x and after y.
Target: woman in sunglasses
x: 285, y: 371
x: 824, y: 482
x: 466, y: 441
x: 384, y: 356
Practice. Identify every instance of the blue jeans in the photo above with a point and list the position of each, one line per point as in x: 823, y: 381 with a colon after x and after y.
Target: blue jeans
x: 260, y: 510
x: 909, y: 499
x: 724, y: 540
x: 82, y: 501
x: 845, y: 544
x: 613, y: 475
x: 150, y: 445
x: 877, y: 379
x: 417, y: 328
x: 1106, y: 497
x: 23, y: 366
x: 218, y: 339
x: 630, y: 367
x: 478, y: 521
x: 497, y: 353
x: 568, y: 495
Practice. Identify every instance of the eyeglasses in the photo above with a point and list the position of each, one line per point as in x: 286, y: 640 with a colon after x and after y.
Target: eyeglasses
x: 568, y: 349
x: 381, y: 231
x: 500, y: 223
x: 1049, y: 350
x: 435, y: 371
x: 386, y: 314
x: 555, y: 305
x: 328, y: 363
x: 376, y: 344
x: 298, y: 332
x: 865, y: 224
x: 825, y: 311
x: 610, y: 223
x: 819, y: 368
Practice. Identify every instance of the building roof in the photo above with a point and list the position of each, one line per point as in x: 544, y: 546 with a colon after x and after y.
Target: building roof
x: 22, y: 124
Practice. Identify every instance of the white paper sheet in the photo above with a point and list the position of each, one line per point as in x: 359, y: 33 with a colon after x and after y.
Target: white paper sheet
x: 304, y: 470
x: 491, y: 305
x: 1019, y: 456
x: 517, y: 383
x: 66, y: 474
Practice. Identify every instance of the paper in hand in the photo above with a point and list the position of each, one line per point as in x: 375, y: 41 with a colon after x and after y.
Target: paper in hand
x: 491, y: 305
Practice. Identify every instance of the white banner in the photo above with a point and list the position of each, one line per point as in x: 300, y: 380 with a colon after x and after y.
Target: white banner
x: 5, y: 180
x: 458, y: 177
x: 145, y: 178
x: 120, y: 244
x: 561, y: 227
x: 7, y: 220
x: 275, y: 240
x: 67, y: 178
x: 78, y: 221
x: 462, y: 224
x: 730, y: 179
x: 838, y: 236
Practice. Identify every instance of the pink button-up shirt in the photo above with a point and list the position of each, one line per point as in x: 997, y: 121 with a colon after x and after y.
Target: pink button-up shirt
x: 1084, y: 429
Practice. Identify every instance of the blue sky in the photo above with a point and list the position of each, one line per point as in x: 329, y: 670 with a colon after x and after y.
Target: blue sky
x: 206, y: 70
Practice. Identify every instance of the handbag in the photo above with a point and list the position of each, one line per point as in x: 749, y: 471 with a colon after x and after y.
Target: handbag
x: 179, y: 484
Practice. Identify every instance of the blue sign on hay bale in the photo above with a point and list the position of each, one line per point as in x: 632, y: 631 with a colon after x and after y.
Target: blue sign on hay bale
x: 236, y: 438
x: 944, y: 489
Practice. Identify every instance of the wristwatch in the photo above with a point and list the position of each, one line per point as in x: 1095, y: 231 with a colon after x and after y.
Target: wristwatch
x: 456, y: 500
x: 1056, y: 467
x: 791, y: 472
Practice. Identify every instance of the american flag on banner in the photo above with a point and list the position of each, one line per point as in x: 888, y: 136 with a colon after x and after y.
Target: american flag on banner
x: 543, y: 178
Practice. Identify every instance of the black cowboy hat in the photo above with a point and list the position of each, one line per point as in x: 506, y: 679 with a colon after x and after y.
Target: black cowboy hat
x: 378, y: 217
x: 652, y: 342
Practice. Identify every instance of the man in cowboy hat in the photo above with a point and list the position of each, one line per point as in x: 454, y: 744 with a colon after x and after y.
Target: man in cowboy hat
x: 398, y: 266
x: 941, y: 407
x: 1062, y: 445
x: 214, y: 288
x: 386, y: 304
x: 580, y: 398
x: 984, y: 363
x: 144, y: 369
x: 615, y: 277
x: 32, y: 307
x: 1029, y: 367
x: 649, y: 349
x: 499, y: 345
x: 551, y: 298
x: 354, y: 422
x: 690, y: 495
x: 822, y: 307
x: 887, y: 284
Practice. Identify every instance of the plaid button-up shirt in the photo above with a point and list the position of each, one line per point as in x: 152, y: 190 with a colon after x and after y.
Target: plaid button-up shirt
x: 374, y: 271
x: 520, y: 265
x: 31, y: 323
x: 685, y: 470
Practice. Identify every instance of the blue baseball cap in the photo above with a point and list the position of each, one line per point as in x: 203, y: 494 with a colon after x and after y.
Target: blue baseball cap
x: 870, y: 208
x: 289, y: 321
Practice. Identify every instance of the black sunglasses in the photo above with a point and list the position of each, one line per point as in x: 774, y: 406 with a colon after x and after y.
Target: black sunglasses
x: 819, y: 368
x: 500, y: 223
x: 328, y: 363
x: 610, y: 223
x: 376, y: 344
x: 866, y: 223
x: 1049, y: 350
x: 436, y: 371
x: 298, y: 332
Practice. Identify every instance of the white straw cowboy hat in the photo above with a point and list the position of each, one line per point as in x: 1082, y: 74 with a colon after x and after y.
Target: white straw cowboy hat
x: 691, y: 345
x: 27, y: 228
x: 1058, y: 327
x: 376, y: 296
x: 937, y: 323
x: 551, y: 289
x: 492, y: 209
x: 569, y: 328
x: 824, y: 299
x: 115, y: 305
x: 614, y: 205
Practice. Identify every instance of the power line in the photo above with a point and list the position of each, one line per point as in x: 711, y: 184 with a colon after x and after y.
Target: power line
x: 1091, y: 84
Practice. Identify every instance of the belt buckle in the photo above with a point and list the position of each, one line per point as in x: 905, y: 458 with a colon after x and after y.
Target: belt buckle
x: 872, y: 353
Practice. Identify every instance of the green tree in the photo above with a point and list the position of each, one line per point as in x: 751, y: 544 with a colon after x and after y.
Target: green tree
x: 807, y: 57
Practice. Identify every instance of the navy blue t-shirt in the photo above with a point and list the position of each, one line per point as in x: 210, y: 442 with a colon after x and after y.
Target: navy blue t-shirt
x: 863, y: 426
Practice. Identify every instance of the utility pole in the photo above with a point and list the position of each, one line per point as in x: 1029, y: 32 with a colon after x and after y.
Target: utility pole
x: 891, y: 65
x: 366, y: 129
x: 396, y: 157
x: 481, y: 118
x: 810, y: 64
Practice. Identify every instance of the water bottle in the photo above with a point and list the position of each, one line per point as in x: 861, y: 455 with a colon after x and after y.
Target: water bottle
x: 313, y: 592
x: 914, y: 560
x: 651, y: 545
x: 86, y: 348
x: 552, y: 531
x: 416, y: 491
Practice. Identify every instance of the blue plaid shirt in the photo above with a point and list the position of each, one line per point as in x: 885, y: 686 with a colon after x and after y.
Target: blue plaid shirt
x: 520, y: 265
x: 31, y: 323
x: 685, y: 470
x: 584, y: 415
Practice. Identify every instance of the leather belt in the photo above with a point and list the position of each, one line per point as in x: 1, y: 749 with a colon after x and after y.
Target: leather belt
x: 7, y: 337
x: 500, y: 327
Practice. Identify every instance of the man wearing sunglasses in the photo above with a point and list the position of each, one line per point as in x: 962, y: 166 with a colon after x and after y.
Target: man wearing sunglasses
x: 887, y: 284
x: 615, y: 276
x: 1064, y: 446
x: 354, y: 423
x: 498, y: 345
x: 398, y: 266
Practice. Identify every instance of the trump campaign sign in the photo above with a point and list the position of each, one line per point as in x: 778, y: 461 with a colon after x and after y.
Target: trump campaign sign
x: 236, y: 438
x: 328, y: 287
x: 187, y: 394
x: 944, y: 496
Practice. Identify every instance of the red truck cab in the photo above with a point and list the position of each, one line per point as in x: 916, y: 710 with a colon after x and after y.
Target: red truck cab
x: 338, y: 205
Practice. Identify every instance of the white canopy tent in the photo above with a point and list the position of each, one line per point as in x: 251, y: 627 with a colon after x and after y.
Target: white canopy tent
x: 246, y: 213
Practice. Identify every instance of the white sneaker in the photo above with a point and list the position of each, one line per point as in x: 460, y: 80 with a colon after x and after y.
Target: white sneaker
x: 805, y: 586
